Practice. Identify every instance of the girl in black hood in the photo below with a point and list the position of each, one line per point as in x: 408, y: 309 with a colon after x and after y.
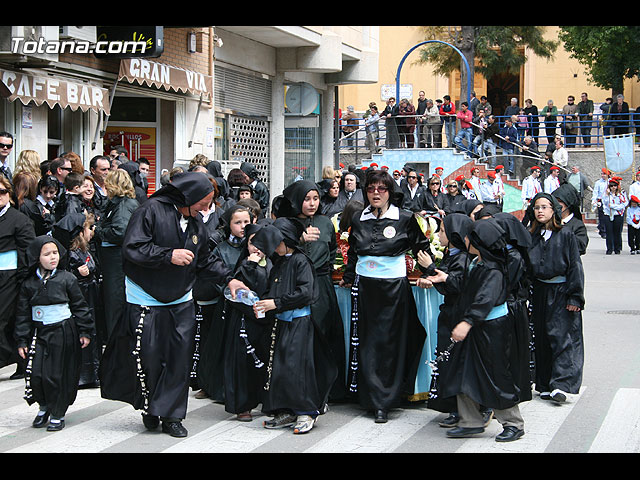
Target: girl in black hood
x: 300, y: 370
x: 53, y: 324
x: 210, y: 369
x: 557, y: 301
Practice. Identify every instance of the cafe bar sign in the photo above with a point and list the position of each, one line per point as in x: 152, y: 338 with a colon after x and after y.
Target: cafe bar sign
x: 53, y: 91
x: 167, y: 77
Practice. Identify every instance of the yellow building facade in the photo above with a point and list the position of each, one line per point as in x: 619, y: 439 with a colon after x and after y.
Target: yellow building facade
x: 539, y: 79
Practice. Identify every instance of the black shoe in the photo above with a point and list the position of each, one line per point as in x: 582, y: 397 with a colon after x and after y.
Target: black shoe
x: 509, y: 434
x: 175, y: 429
x: 40, y: 420
x: 609, y: 253
x: 451, y: 421
x: 151, y: 422
x: 381, y: 416
x: 17, y: 375
x: 462, y: 432
x: 487, y: 416
x: 55, y: 426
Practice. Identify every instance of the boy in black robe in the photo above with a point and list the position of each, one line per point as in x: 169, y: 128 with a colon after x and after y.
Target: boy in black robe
x: 479, y: 371
x: 53, y: 323
x: 165, y: 250
x: 300, y: 371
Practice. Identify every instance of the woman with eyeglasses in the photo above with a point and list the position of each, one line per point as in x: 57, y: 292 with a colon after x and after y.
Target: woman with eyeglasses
x: 387, y: 336
x: 433, y: 200
x: 16, y: 233
x: 556, y: 302
x: 453, y: 197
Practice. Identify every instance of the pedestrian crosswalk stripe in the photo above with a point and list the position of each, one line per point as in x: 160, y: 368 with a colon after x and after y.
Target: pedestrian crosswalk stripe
x: 620, y: 430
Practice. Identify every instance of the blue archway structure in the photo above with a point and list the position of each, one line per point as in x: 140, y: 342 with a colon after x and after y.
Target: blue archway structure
x: 466, y: 64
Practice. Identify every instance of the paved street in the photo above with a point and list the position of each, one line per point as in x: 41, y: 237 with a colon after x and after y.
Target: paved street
x: 604, y: 417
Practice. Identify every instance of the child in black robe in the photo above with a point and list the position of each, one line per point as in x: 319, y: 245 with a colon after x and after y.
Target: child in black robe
x: 53, y: 323
x: 210, y: 368
x: 479, y: 370
x: 247, y: 336
x: 557, y: 301
x: 300, y: 371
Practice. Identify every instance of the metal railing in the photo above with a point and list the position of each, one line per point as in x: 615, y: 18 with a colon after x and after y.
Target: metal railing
x: 581, y: 132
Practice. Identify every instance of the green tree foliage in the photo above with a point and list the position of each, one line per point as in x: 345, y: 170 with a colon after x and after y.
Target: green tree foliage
x: 498, y: 49
x: 610, y: 53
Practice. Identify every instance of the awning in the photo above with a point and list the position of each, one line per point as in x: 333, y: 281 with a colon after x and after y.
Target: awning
x: 167, y: 77
x: 53, y: 91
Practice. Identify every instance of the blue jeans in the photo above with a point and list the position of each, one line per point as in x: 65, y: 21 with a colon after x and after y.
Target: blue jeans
x: 463, y: 134
x: 508, y: 151
x: 450, y: 133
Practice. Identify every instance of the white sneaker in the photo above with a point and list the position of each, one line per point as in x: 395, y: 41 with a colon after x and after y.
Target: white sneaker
x: 558, y: 396
x: 304, y: 424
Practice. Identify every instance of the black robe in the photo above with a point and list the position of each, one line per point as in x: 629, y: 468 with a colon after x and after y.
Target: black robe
x: 559, y: 343
x: 42, y: 221
x: 16, y: 233
x: 166, y: 334
x: 302, y: 371
x: 387, y: 336
x: 246, y: 341
x: 53, y: 371
x: 480, y: 365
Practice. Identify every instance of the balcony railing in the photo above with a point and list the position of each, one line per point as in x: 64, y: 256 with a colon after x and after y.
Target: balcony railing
x: 575, y: 132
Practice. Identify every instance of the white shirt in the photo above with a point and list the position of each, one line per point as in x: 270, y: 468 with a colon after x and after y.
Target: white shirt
x: 530, y: 187
x: 551, y: 183
x: 561, y: 156
x: 392, y: 213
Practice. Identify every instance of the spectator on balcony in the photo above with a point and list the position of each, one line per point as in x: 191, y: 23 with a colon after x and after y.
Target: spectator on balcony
x: 351, y: 124
x: 448, y: 116
x: 570, y: 122
x: 534, y: 121
x: 389, y: 114
x: 406, y: 125
x: 509, y: 133
x: 605, y: 120
x: 550, y: 120
x: 619, y: 116
x: 433, y: 126
x: 585, y: 114
x: 512, y: 109
x: 466, y: 117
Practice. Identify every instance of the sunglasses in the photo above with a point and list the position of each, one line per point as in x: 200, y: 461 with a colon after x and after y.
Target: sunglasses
x: 378, y: 188
x: 412, y: 176
x: 452, y: 186
x: 4, y: 145
x: 4, y: 191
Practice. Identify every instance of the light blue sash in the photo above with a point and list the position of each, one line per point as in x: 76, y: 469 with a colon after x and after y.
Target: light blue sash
x: 556, y: 279
x: 136, y: 295
x: 9, y: 260
x: 498, y: 311
x: 381, y: 267
x: 49, y: 314
x: 290, y: 315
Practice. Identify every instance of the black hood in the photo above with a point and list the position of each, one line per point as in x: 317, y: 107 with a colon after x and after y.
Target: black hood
x: 186, y: 189
x: 291, y: 230
x: 456, y: 227
x: 35, y: 247
x: 568, y: 195
x: 250, y: 170
x: 488, y: 237
x: 66, y: 229
x: 214, y: 168
x: 133, y: 169
x: 267, y: 237
x: 225, y: 219
x: 487, y: 211
x: 517, y: 234
x: 293, y: 197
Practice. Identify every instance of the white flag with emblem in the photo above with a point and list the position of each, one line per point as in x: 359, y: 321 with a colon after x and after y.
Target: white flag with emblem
x: 618, y: 152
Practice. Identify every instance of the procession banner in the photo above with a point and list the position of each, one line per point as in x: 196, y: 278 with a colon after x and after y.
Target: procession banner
x: 618, y: 152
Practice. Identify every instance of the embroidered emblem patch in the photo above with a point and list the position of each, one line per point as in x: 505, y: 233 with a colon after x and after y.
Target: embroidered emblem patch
x: 389, y: 232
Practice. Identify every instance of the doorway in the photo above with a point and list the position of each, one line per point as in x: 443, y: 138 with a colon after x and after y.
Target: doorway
x: 501, y: 88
